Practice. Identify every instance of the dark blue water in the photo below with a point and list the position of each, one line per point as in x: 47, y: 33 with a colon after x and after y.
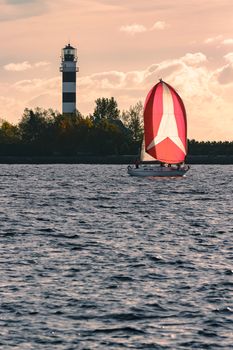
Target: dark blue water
x: 91, y: 258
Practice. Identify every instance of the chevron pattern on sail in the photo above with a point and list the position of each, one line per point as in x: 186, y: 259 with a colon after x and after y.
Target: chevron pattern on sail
x: 165, y: 124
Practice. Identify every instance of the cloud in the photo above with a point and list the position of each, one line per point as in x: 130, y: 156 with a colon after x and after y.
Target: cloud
x: 213, y: 39
x: 219, y: 40
x: 23, y: 66
x: 224, y: 74
x: 187, y: 68
x: 38, y: 85
x: 12, y: 105
x: 42, y: 64
x: 160, y: 25
x: 45, y: 93
x: 194, y: 58
x: 19, y: 2
x: 140, y: 28
x: 133, y: 29
x: 18, y: 67
x: 229, y: 57
x: 17, y: 9
x: 227, y: 42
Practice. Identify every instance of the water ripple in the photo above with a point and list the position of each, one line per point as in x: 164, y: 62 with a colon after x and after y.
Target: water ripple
x: 94, y: 259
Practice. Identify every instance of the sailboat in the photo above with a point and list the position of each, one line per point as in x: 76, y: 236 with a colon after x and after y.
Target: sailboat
x: 165, y: 134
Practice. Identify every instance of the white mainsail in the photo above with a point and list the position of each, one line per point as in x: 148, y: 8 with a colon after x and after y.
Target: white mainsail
x: 144, y: 156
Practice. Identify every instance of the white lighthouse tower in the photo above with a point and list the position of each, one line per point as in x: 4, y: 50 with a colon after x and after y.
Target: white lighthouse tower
x: 68, y: 69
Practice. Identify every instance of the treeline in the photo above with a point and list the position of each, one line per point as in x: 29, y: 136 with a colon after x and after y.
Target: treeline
x: 48, y: 133
x: 210, y: 148
x: 107, y: 131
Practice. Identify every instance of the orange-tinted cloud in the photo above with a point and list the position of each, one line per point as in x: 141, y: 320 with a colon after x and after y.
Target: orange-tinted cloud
x: 18, y: 67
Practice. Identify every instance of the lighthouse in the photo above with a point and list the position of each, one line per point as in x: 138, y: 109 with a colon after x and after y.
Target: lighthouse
x: 68, y: 69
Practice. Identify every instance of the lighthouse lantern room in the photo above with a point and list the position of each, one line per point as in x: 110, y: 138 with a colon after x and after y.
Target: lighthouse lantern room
x: 68, y: 69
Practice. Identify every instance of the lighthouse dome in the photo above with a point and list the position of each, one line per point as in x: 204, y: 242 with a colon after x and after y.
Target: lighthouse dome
x: 69, y: 53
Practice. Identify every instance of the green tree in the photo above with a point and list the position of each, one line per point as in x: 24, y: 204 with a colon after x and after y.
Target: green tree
x: 72, y: 133
x: 35, y: 124
x: 133, y: 120
x: 108, y: 138
x: 37, y: 130
x: 108, y: 135
x: 9, y: 134
x: 106, y: 108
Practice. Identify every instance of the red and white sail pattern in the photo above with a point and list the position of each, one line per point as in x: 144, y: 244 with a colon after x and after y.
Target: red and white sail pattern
x: 165, y: 124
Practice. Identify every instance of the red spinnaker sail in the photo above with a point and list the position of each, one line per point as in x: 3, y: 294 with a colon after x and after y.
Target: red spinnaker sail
x: 165, y: 124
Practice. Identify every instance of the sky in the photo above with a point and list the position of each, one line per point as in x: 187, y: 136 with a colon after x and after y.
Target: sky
x: 124, y: 47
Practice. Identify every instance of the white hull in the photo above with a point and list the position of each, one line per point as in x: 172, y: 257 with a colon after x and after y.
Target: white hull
x: 159, y: 171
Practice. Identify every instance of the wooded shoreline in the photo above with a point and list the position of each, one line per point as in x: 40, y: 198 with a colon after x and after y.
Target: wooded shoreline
x: 121, y: 159
x: 107, y: 136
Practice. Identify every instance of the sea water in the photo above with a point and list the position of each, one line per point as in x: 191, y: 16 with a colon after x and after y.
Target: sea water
x: 92, y: 258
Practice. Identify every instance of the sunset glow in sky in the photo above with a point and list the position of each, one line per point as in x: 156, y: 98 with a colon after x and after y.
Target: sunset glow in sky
x: 124, y: 47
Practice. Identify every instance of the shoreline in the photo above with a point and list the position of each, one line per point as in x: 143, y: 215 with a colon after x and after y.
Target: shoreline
x: 123, y: 159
